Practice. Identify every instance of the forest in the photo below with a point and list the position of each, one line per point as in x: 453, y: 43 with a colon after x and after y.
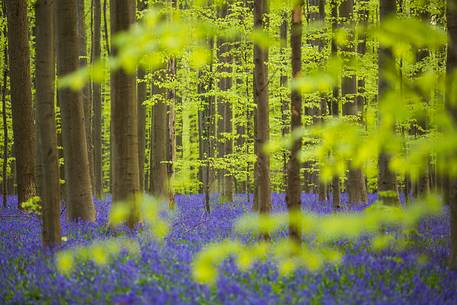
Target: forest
x: 228, y: 152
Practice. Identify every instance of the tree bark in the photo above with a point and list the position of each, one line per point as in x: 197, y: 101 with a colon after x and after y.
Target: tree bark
x: 387, y: 184
x: 159, y: 148
x: 293, y: 169
x: 77, y: 175
x: 124, y: 119
x: 45, y: 80
x: 263, y: 188
x: 21, y: 99
x: 283, y: 83
x: 334, y: 105
x: 142, y: 96
x: 4, y: 120
x: 356, y: 187
x: 97, y: 103
x: 86, y: 92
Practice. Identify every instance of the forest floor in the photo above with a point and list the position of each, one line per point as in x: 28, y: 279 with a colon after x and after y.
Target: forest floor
x: 161, y: 272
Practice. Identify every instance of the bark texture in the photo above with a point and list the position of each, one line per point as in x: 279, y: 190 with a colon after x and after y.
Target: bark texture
x: 263, y: 188
x: 21, y: 99
x: 293, y: 168
x: 97, y: 102
x: 77, y: 176
x: 45, y: 79
x: 124, y: 119
x: 356, y: 187
x: 159, y: 148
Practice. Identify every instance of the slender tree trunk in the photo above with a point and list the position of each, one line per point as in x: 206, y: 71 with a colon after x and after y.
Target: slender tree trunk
x: 86, y: 92
x: 97, y: 103
x: 336, y: 200
x: 387, y: 184
x: 261, y: 99
x: 228, y: 145
x: 21, y: 99
x: 159, y: 148
x: 356, y: 187
x: 225, y: 113
x: 421, y: 126
x: 4, y: 120
x: 293, y: 169
x: 285, y: 109
x: 204, y: 125
x: 77, y: 175
x: 124, y: 119
x: 142, y: 96
x: 452, y: 109
x: 105, y: 26
x: 171, y: 132
x: 45, y: 80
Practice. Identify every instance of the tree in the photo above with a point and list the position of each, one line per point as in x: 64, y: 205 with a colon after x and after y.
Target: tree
x: 124, y: 118
x: 356, y: 187
x: 263, y: 188
x: 97, y: 102
x: 4, y: 120
x: 86, y: 92
x: 293, y: 168
x: 46, y: 119
x: 224, y: 109
x: 452, y: 109
x: 77, y: 176
x: 159, y: 135
x: 21, y: 98
x: 142, y: 96
x: 387, y: 185
x: 283, y: 83
x: 335, y: 105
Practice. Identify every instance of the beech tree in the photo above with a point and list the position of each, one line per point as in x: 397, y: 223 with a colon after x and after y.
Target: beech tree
x: 293, y: 167
x: 263, y: 188
x: 124, y: 118
x: 79, y: 203
x: 387, y: 185
x: 97, y: 101
x: 356, y: 186
x: 21, y: 99
x: 46, y: 118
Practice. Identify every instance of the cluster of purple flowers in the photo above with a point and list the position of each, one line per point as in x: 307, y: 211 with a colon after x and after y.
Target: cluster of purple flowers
x: 161, y: 273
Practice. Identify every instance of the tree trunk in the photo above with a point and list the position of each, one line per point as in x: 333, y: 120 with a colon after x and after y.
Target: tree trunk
x: 334, y: 107
x: 97, y: 103
x: 45, y: 80
x: 21, y: 99
x: 356, y: 187
x: 142, y: 96
x: 159, y: 148
x: 262, y: 125
x: 283, y: 83
x: 387, y: 184
x: 77, y: 176
x: 124, y: 119
x: 452, y: 108
x: 86, y: 93
x: 4, y: 121
x: 293, y: 169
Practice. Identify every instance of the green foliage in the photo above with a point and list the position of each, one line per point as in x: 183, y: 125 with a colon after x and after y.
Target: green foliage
x: 99, y: 252
x: 320, y: 231
x: 103, y: 252
x: 32, y: 205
